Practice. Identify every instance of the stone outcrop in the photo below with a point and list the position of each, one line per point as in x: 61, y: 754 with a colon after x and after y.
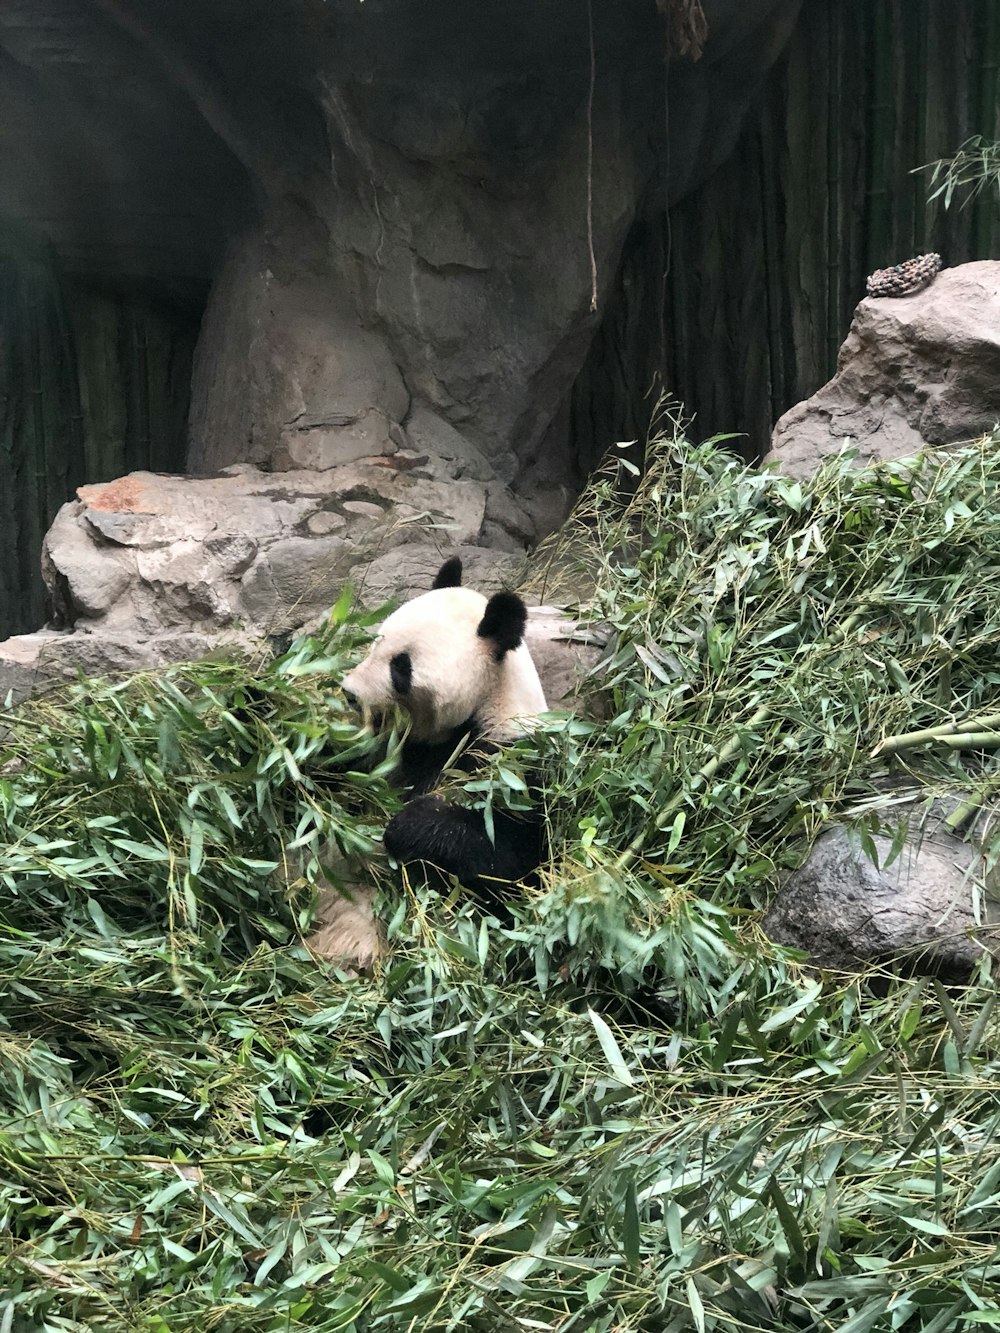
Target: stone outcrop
x: 258, y: 551
x: 914, y: 371
x: 920, y: 909
x: 153, y: 568
x: 482, y: 190
x: 408, y: 215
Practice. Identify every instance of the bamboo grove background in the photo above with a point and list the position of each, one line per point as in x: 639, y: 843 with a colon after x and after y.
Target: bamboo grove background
x: 766, y: 262
x: 92, y: 384
x: 736, y: 301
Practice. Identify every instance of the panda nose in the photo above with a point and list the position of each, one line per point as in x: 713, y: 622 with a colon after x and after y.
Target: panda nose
x: 352, y: 698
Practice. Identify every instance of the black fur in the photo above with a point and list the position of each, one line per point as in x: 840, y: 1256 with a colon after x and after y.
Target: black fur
x: 450, y: 574
x: 455, y: 841
x: 452, y: 840
x: 401, y: 672
x: 421, y: 761
x: 503, y: 623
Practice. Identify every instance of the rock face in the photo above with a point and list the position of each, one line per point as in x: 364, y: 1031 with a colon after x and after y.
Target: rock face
x: 154, y: 568
x: 260, y: 551
x: 408, y: 214
x: 914, y: 371
x: 843, y: 910
x: 451, y: 279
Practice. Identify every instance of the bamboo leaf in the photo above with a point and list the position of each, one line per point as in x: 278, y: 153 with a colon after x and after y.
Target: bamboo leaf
x: 611, y: 1050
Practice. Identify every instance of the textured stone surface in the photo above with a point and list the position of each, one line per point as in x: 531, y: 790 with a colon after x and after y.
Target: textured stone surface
x: 914, y: 371
x: 285, y: 372
x: 564, y: 652
x: 843, y: 910
x: 408, y: 571
x: 152, y: 568
x: 405, y: 218
x: 88, y: 568
x: 33, y: 663
x: 471, y: 165
x: 255, y: 550
x: 392, y: 203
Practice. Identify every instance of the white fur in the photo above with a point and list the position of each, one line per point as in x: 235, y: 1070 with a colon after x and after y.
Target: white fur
x: 346, y: 930
x: 455, y: 672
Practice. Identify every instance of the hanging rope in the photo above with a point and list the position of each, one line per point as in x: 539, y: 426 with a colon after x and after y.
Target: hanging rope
x: 590, y: 159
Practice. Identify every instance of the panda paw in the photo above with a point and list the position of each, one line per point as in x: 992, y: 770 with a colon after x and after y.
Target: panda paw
x: 414, y: 832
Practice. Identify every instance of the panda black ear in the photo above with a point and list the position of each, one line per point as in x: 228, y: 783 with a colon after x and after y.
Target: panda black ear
x: 450, y: 574
x: 503, y: 623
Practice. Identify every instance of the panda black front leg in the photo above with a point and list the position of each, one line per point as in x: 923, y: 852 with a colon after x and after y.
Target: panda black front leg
x: 455, y: 840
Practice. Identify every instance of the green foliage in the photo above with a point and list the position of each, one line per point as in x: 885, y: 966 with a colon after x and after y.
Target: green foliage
x: 768, y: 634
x: 975, y: 168
x: 180, y: 796
x: 201, y: 1129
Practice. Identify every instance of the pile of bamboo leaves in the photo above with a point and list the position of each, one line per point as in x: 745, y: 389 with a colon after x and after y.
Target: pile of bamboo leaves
x: 201, y: 1129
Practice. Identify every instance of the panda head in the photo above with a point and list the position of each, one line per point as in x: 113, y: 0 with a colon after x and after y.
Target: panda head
x: 449, y: 658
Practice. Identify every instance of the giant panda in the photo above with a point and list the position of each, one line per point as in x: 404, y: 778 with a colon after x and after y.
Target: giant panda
x: 456, y: 664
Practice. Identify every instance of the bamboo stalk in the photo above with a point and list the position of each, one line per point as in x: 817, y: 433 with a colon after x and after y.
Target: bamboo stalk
x: 971, y: 740
x: 963, y: 812
x: 971, y: 806
x: 910, y: 739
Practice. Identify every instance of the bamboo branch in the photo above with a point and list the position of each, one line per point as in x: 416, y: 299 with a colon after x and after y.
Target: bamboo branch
x: 910, y: 739
x: 733, y: 745
x: 971, y: 740
x: 963, y: 812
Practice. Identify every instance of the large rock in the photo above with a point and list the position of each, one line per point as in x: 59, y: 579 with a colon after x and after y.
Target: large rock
x: 34, y: 663
x: 914, y: 371
x: 154, y: 554
x: 401, y: 207
x: 478, y: 197
x: 296, y: 381
x: 844, y: 911
x: 154, y: 568
x: 404, y: 216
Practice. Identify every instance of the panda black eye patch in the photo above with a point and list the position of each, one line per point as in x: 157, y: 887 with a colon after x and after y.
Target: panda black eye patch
x: 401, y: 673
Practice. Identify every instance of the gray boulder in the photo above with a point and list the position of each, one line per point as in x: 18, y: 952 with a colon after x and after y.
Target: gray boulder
x: 927, y: 908
x: 33, y: 663
x: 154, y: 568
x: 915, y: 371
x: 258, y: 551
x: 440, y: 240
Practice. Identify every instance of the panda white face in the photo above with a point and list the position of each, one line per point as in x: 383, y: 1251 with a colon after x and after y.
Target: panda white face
x: 448, y: 656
